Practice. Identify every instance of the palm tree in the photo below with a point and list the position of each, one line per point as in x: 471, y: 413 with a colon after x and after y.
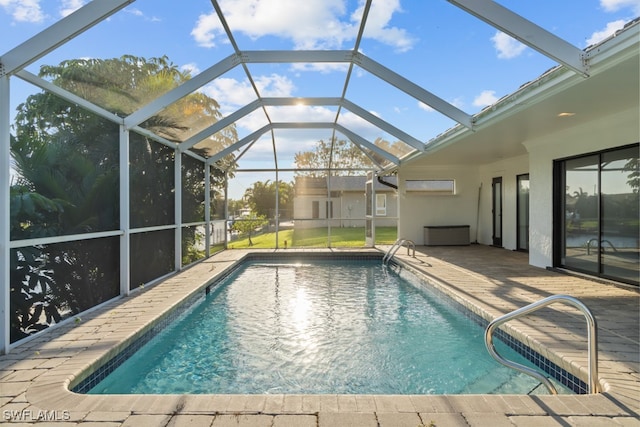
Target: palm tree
x: 67, y: 163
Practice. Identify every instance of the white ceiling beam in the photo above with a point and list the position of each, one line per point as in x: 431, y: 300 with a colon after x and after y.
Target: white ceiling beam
x: 149, y: 134
x: 302, y: 125
x: 295, y: 56
x: 220, y: 124
x: 526, y: 32
x: 68, y: 96
x: 385, y: 126
x: 58, y: 34
x: 355, y: 109
x: 413, y: 89
x: 181, y: 91
x: 360, y: 141
x: 239, y: 144
x: 355, y: 138
x: 286, y: 101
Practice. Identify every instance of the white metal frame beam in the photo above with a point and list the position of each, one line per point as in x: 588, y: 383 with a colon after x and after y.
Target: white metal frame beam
x: 382, y: 124
x: 291, y: 101
x: 58, y: 34
x: 68, y: 96
x: 526, y: 32
x: 181, y: 91
x: 413, y: 90
x: 295, y: 56
x: 220, y: 124
x: 5, y: 238
x: 355, y: 138
x: 362, y: 142
x: 239, y: 144
x: 125, y: 209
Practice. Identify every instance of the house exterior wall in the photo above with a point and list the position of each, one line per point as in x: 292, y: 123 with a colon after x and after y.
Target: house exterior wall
x: 348, y: 210
x: 508, y: 170
x: 417, y: 210
x: 611, y: 131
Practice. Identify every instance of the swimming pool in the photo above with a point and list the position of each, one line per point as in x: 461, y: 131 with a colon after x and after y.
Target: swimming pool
x: 312, y: 328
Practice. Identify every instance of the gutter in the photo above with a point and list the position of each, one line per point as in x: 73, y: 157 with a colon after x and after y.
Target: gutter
x: 388, y: 184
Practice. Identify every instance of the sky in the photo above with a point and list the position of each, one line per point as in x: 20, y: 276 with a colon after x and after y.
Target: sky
x: 434, y: 44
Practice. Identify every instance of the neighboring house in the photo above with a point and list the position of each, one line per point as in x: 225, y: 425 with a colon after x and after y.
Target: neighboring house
x: 340, y: 201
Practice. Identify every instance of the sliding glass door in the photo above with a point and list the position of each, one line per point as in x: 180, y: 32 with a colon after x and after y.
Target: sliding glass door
x: 522, y: 219
x: 598, y: 229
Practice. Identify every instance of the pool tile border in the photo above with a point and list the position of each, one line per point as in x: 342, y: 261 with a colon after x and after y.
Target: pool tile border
x: 93, y: 378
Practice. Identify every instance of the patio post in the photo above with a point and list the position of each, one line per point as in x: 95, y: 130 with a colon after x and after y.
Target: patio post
x: 5, y: 176
x: 178, y: 209
x: 125, y: 243
x: 207, y: 209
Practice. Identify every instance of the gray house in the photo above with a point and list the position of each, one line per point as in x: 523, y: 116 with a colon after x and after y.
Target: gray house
x: 340, y: 201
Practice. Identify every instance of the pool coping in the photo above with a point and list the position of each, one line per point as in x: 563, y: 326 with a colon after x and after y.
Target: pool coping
x: 65, y: 355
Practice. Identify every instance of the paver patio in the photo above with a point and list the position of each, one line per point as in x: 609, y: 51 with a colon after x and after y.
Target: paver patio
x: 34, y: 377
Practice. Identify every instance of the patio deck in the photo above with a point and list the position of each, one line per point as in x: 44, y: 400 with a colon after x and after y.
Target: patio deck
x: 34, y: 377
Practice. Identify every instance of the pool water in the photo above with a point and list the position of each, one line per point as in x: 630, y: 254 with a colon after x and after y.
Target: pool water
x: 336, y: 327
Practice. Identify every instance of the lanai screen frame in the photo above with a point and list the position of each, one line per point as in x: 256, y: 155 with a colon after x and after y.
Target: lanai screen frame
x: 13, y: 63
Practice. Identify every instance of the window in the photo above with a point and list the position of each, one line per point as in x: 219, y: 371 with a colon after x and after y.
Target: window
x: 329, y: 207
x: 522, y: 220
x: 381, y: 205
x: 597, y: 199
x: 431, y: 186
x: 315, y: 209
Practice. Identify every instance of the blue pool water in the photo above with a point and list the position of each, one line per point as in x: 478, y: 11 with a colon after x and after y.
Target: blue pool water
x: 327, y: 327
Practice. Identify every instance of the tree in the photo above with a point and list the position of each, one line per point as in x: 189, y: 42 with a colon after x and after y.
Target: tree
x: 261, y: 197
x: 249, y: 225
x: 334, y: 154
x: 342, y: 154
x: 67, y: 163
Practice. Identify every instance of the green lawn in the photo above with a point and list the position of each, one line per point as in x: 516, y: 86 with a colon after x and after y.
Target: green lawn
x: 352, y: 237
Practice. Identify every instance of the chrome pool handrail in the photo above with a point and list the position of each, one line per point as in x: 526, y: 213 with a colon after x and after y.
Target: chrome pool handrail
x: 592, y: 340
x: 396, y: 246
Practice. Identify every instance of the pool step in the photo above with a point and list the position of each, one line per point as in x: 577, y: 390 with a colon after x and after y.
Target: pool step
x: 516, y: 383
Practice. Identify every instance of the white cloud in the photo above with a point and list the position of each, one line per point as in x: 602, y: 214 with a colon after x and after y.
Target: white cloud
x: 322, y: 67
x: 377, y: 27
x: 204, y: 31
x: 425, y: 107
x: 360, y: 126
x: 486, y: 97
x: 616, y: 5
x: 134, y: 11
x: 274, y: 85
x: 231, y: 93
x: 309, y: 24
x: 458, y: 103
x: 507, y: 46
x: 24, y: 10
x: 140, y: 14
x: 67, y: 7
x: 191, y: 67
x: 611, y: 28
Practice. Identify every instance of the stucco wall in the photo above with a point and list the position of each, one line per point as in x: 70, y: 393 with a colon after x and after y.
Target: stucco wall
x: 348, y: 210
x: 608, y: 132
x: 508, y: 169
x: 416, y: 210
x: 419, y: 210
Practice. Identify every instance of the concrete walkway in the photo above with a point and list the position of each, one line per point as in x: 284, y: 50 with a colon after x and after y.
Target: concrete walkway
x: 35, y: 376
